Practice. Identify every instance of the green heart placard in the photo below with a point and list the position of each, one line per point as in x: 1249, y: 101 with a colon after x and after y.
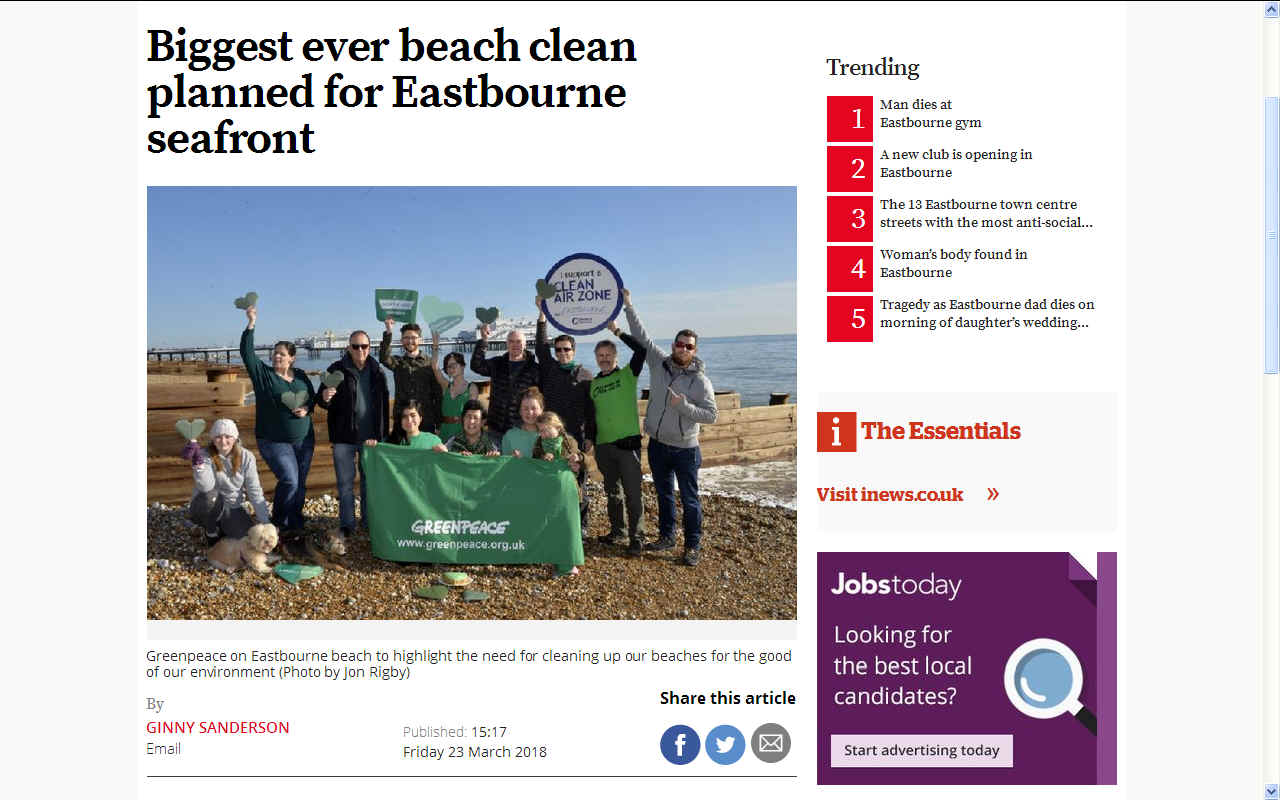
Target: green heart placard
x: 249, y: 299
x: 297, y: 572
x: 333, y: 380
x: 432, y: 592
x: 487, y: 315
x: 293, y: 400
x: 190, y: 429
x: 545, y: 290
x: 439, y: 315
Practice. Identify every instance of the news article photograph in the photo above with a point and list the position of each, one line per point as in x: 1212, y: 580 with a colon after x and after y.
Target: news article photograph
x: 565, y: 403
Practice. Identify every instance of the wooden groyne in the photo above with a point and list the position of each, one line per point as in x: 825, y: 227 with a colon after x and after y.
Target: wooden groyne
x: 740, y: 436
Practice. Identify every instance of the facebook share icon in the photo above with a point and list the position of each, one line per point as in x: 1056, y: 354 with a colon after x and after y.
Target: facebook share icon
x: 680, y: 744
x: 725, y: 744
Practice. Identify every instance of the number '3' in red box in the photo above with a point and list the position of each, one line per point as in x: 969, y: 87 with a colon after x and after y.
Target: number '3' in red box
x: 849, y: 219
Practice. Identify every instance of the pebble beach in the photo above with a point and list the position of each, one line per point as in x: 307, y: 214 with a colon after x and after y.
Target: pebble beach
x: 747, y: 571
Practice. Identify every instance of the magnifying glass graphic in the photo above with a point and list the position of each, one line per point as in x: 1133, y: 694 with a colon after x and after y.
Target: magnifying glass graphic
x: 1043, y: 679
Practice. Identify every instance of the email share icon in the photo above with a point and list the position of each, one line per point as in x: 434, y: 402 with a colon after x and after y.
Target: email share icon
x: 771, y: 743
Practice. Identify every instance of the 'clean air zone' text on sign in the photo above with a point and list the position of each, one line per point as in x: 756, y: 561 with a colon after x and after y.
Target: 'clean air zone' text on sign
x: 588, y: 294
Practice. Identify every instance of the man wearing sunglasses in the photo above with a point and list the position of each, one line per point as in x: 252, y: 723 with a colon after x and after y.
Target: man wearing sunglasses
x: 681, y: 399
x: 564, y: 384
x: 357, y: 416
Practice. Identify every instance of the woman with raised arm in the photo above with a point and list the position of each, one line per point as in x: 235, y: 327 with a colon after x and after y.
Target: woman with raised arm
x: 283, y: 400
x: 457, y: 390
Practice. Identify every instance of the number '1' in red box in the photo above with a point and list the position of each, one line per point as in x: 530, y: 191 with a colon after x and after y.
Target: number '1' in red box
x: 849, y: 169
x: 849, y: 219
x: 849, y: 119
x: 849, y: 269
x: 849, y: 318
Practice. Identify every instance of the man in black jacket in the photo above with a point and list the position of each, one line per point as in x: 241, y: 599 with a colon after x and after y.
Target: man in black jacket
x: 357, y: 416
x: 564, y: 383
x: 510, y: 374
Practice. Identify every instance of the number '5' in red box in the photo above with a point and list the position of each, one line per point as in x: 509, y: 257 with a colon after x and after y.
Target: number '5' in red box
x: 849, y: 119
x: 849, y: 319
x: 849, y: 169
x: 849, y: 269
x: 849, y: 219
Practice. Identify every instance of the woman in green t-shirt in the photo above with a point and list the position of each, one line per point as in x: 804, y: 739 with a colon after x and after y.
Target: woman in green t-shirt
x: 457, y: 391
x: 414, y: 436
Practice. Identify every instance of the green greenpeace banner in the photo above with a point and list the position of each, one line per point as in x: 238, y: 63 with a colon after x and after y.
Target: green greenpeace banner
x: 448, y: 508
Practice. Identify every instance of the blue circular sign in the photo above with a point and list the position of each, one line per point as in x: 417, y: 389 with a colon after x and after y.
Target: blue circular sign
x: 588, y: 294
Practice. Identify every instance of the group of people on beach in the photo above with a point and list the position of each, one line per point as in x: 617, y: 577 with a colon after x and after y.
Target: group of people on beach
x: 542, y: 404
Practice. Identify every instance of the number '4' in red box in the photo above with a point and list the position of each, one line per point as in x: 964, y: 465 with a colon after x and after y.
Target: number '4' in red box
x: 849, y: 219
x: 849, y: 318
x: 849, y: 169
x: 849, y: 269
x: 849, y: 119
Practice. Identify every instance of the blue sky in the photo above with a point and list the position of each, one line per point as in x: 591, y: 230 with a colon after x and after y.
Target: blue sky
x: 719, y: 260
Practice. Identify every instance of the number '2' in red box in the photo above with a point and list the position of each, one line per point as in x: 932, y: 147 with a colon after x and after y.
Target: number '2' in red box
x: 849, y: 169
x: 849, y: 119
x: 849, y: 318
x: 849, y: 269
x: 849, y: 219
x: 837, y: 432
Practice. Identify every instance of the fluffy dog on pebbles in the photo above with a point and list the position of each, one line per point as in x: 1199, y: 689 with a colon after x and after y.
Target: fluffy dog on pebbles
x: 251, y: 551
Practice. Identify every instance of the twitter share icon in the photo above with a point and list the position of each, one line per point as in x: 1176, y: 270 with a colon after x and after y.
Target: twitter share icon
x: 725, y: 744
x: 679, y: 744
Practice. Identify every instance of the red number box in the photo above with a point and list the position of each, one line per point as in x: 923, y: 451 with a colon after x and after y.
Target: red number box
x: 849, y: 219
x: 850, y: 119
x: 849, y: 318
x: 849, y: 169
x: 849, y: 269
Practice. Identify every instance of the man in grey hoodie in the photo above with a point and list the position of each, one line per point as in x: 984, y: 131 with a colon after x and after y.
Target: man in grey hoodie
x: 681, y: 399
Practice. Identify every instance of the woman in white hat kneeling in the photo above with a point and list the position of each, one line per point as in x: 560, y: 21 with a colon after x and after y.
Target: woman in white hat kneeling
x: 225, y: 476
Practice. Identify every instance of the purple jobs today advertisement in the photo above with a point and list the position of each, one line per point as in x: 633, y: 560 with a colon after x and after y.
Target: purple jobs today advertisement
x: 966, y: 668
